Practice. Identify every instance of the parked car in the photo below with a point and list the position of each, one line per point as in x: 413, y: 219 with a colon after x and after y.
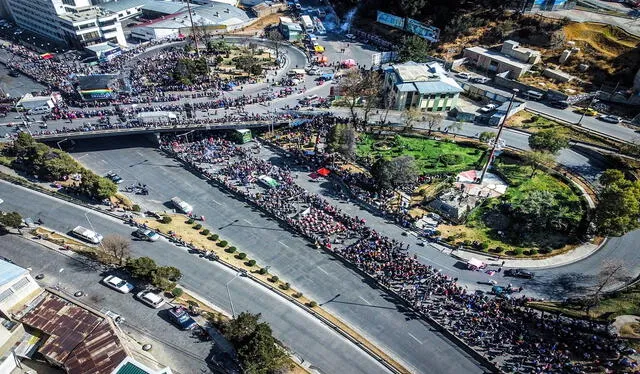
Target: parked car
x: 146, y: 234
x: 118, y: 284
x: 519, y: 273
x: 609, y: 118
x: 151, y: 299
x: 481, y: 80
x: 487, y: 108
x: 558, y: 104
x: 114, y: 177
x: 350, y: 36
x: 463, y: 75
x: 180, y: 316
x: 587, y: 111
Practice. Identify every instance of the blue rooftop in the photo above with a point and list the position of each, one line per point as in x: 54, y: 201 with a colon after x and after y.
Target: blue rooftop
x: 10, y: 272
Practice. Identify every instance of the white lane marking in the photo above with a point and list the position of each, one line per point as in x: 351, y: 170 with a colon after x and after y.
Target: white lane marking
x: 104, y: 162
x: 216, y: 202
x: 322, y: 270
x: 246, y: 220
x: 283, y: 244
x: 84, y: 155
x: 438, y: 265
x: 140, y: 154
x: 365, y: 300
x: 414, y: 338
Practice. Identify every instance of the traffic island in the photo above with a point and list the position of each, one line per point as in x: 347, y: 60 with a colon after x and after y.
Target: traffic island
x: 188, y: 231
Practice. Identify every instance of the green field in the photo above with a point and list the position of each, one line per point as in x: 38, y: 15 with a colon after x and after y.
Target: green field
x: 431, y: 156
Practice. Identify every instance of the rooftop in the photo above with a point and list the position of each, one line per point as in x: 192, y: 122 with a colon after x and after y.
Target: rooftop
x: 165, y: 7
x: 203, y: 15
x: 120, y: 5
x: 86, y: 14
x: 9, y: 272
x: 95, y: 82
x: 102, y: 47
x: 423, y: 78
x: 499, y: 57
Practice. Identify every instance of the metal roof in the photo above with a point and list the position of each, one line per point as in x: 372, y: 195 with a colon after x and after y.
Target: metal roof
x: 437, y: 87
x: 10, y: 272
x: 497, y: 56
x: 203, y: 15
x: 120, y: 5
x: 130, y: 368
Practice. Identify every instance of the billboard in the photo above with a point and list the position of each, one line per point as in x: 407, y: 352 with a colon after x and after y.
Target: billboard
x: 390, y: 20
x: 418, y: 28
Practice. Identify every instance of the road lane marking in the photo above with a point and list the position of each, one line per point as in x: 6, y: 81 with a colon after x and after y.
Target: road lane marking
x: 216, y: 202
x: 104, y: 162
x: 414, y: 338
x: 438, y: 265
x: 284, y: 244
x: 322, y: 270
x: 140, y: 154
x: 84, y: 155
x: 246, y: 220
x: 365, y: 300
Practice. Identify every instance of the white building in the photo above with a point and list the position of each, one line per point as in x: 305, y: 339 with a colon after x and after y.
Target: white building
x: 92, y: 25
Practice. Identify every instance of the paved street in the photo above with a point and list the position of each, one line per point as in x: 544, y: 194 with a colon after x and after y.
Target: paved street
x: 312, y: 340
x: 342, y: 291
x: 16, y: 86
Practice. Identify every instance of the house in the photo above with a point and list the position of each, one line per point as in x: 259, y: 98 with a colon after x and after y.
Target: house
x: 423, y: 86
x: 290, y: 30
x: 512, y: 58
x: 265, y: 8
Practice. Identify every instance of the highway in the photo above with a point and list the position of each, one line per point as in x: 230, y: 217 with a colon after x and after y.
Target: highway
x: 311, y: 339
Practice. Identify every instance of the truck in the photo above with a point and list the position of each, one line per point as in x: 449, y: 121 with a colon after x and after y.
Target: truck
x: 307, y: 24
x: 181, y: 205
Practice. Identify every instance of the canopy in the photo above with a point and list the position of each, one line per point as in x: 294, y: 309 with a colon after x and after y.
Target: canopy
x: 324, y: 172
x: 322, y: 59
x: 47, y: 56
x: 326, y: 76
x: 349, y: 62
x: 475, y: 262
x: 268, y: 181
x: 318, y: 49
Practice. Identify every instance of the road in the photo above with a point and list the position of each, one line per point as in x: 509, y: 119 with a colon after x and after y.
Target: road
x: 311, y: 339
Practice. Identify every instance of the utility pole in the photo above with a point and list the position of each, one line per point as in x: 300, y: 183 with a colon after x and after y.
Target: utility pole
x: 495, y: 142
x: 193, y: 30
x: 587, y: 108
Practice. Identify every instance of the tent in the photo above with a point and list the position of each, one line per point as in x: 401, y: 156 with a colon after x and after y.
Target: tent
x: 349, y: 63
x: 324, y: 172
x: 474, y: 263
x: 47, y: 56
x: 318, y: 49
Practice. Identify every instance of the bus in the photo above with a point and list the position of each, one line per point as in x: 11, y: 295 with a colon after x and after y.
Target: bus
x: 181, y: 205
x: 307, y: 24
x: 87, y: 235
x: 319, y: 26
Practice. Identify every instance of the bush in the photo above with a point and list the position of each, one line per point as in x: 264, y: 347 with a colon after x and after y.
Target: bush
x: 274, y: 278
x: 222, y: 243
x: 230, y: 249
x: 484, y: 246
x: 213, y: 237
x: 241, y: 255
x: 498, y: 250
x: 297, y: 295
x: 450, y: 158
x: 165, y: 220
x: 437, y: 233
x: 518, y: 251
x: 190, y: 221
x: 450, y: 238
x: 285, y: 286
x: 197, y: 226
x: 467, y: 243
x: 533, y: 252
x: 136, y: 208
x: 177, y: 292
x: 312, y: 304
x: 262, y: 271
x: 251, y: 263
x: 205, y: 232
x: 546, y: 250
x: 193, y: 303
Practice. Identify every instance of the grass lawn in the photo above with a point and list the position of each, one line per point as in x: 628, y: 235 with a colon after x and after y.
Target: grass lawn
x: 427, y: 153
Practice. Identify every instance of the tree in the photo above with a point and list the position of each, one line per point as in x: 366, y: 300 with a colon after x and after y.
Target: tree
x: 141, y: 267
x: 99, y: 188
x: 414, y: 48
x: 548, y: 140
x: 455, y: 126
x: 411, y: 8
x: 343, y: 140
x: 238, y: 330
x: 276, y: 38
x: 536, y: 158
x: 619, y: 204
x: 434, y: 120
x: 486, y: 136
x: 10, y: 220
x: 611, y: 273
x: 162, y: 283
x: 395, y: 172
x: 356, y: 86
x: 117, y: 246
x: 410, y: 116
x: 170, y: 272
x: 262, y: 354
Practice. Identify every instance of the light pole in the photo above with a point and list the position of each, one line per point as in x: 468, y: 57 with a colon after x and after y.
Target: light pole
x: 233, y: 311
x: 495, y: 142
x: 61, y: 141
x: 587, y: 108
x: 186, y: 135
x: 86, y: 215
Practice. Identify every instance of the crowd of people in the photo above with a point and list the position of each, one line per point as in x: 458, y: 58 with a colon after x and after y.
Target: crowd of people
x: 503, y: 329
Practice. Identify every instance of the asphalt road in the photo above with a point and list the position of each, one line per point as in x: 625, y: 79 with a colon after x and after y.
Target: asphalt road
x: 312, y: 340
x: 342, y: 291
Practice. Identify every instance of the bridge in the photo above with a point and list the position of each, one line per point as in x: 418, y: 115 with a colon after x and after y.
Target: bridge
x: 155, y: 129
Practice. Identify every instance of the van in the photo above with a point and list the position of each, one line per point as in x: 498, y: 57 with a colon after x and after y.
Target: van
x: 534, y: 95
x: 181, y: 205
x: 39, y: 110
x: 86, y: 235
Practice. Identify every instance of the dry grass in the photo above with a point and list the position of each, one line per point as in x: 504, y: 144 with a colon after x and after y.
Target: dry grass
x: 605, y: 39
x: 94, y: 253
x: 630, y: 330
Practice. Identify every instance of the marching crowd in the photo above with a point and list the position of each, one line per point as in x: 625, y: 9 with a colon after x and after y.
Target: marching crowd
x: 505, y: 330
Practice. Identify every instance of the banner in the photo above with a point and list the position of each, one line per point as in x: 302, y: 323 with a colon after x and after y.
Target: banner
x: 390, y: 20
x: 418, y: 28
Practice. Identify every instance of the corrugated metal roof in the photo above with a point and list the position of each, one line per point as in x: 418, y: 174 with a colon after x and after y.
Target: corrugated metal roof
x: 436, y: 87
x: 130, y: 368
x: 10, y: 272
x: 406, y: 87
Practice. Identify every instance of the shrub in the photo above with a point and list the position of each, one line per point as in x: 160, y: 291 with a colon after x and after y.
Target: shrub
x: 251, y: 263
x: 312, y: 304
x: 262, y: 271
x: 285, y: 286
x: 498, y: 250
x: 177, y: 292
x: 450, y: 158
x: 165, y: 220
x: 197, y: 226
x: 467, y: 242
x: 241, y: 255
x: 484, y: 246
x: 205, y: 232
x: 213, y: 237
x: 437, y: 233
x: 297, y: 295
x: 546, y: 250
x: 136, y: 208
x: 518, y: 251
x: 274, y: 278
x: 190, y: 221
x: 193, y: 303
x: 450, y: 238
x: 533, y: 252
x: 222, y: 243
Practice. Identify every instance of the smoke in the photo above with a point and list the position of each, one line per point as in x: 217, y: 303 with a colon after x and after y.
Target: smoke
x: 348, y: 19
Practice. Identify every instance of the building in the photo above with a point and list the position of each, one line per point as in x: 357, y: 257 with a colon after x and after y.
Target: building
x: 422, y: 86
x: 28, y: 102
x: 290, y: 30
x: 212, y: 18
x: 74, y: 22
x: 512, y: 58
x: 268, y: 7
x: 125, y: 9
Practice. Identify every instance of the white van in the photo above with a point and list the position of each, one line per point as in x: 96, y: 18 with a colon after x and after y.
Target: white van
x: 87, y: 235
x: 39, y: 110
x: 181, y: 205
x: 534, y: 95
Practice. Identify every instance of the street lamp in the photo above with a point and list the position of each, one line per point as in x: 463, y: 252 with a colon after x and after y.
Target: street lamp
x: 86, y: 215
x: 61, y: 141
x: 495, y: 142
x: 233, y: 311
x: 593, y: 99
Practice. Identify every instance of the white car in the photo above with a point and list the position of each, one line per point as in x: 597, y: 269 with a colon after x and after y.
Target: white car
x: 152, y: 299
x: 118, y: 284
x: 463, y: 75
x: 350, y: 36
x: 487, y: 108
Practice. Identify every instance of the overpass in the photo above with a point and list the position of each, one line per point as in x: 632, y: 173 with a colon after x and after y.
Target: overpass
x: 158, y: 129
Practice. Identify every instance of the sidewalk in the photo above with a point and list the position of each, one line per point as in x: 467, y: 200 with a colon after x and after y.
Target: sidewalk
x: 581, y: 252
